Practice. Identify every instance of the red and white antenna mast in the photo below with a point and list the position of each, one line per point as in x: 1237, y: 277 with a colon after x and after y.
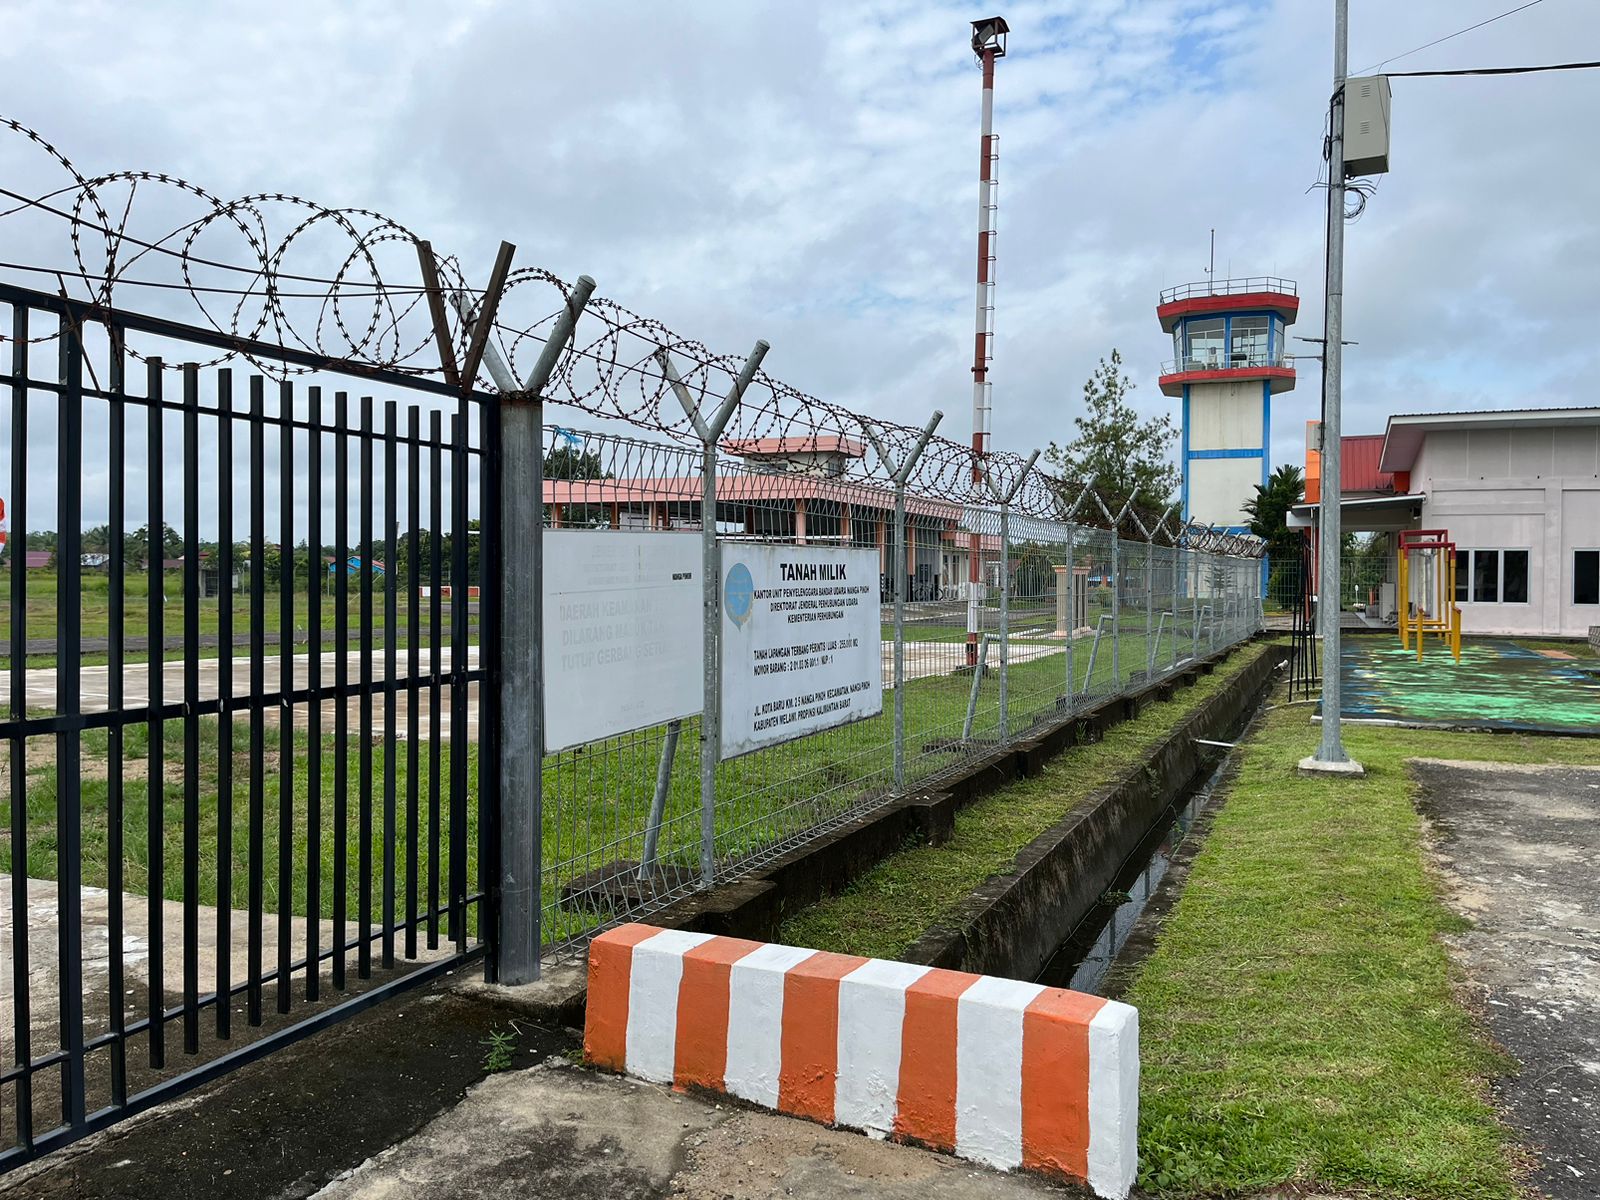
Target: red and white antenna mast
x: 988, y: 43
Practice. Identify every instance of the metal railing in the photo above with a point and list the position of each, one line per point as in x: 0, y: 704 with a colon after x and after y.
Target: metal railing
x: 1236, y: 360
x: 1246, y: 285
x: 242, y: 737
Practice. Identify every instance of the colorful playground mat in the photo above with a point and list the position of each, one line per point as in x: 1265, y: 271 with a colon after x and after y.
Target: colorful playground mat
x: 1498, y: 685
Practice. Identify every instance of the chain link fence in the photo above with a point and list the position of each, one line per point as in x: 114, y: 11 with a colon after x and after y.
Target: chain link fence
x: 1063, y: 617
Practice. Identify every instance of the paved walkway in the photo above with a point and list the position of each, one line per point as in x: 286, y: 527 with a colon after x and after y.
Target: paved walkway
x: 1518, y: 846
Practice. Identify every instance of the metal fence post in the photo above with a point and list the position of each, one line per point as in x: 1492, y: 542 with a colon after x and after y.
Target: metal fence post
x: 1153, y: 645
x: 1149, y: 607
x: 1116, y: 587
x: 1005, y: 619
x: 1005, y: 500
x: 900, y: 473
x: 520, y: 655
x: 1072, y: 592
x: 1072, y: 605
x: 710, y: 569
x: 1116, y: 606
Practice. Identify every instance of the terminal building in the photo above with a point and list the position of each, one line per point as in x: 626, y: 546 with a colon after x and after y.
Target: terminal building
x: 1518, y: 492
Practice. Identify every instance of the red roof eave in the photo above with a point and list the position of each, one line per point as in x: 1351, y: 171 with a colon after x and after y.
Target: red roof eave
x: 1288, y: 306
x: 1282, y: 377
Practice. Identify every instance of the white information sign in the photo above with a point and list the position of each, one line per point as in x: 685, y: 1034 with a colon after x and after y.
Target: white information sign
x: 800, y: 642
x: 624, y: 634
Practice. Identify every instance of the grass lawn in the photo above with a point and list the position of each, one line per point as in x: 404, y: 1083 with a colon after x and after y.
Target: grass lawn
x: 882, y: 913
x: 596, y: 797
x: 1297, y: 1017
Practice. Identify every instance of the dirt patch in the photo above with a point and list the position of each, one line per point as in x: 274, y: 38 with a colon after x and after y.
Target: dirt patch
x: 300, y: 1117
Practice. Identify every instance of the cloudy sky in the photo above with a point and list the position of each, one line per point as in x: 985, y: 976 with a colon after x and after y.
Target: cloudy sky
x: 806, y: 172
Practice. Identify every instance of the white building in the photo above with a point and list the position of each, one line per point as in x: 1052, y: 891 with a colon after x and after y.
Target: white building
x: 1517, y: 492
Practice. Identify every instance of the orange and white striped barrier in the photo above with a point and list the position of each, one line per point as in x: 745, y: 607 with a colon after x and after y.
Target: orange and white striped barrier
x: 1006, y: 1073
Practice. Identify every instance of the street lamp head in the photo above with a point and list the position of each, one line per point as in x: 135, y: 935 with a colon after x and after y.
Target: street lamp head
x: 989, y: 34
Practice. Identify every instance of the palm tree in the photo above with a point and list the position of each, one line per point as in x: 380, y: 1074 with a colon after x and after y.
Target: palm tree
x: 1269, y: 509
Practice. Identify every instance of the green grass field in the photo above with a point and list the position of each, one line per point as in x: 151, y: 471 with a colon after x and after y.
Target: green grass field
x: 1298, y: 1022
x: 596, y: 798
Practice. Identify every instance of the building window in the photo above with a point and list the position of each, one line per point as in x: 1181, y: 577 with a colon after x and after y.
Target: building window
x: 1249, y: 337
x: 1203, y: 338
x: 1586, y: 576
x: 1491, y: 576
x: 1514, y: 577
x: 1485, y: 576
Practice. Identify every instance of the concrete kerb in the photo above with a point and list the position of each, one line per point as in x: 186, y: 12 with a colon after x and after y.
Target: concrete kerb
x: 999, y: 1071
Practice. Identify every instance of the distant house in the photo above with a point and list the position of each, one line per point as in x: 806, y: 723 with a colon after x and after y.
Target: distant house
x: 35, y: 560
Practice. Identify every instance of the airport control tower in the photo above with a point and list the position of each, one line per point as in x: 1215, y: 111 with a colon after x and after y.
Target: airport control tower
x: 1228, y: 362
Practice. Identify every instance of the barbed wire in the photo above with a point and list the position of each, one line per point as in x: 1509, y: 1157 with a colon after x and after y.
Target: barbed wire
x: 256, y: 268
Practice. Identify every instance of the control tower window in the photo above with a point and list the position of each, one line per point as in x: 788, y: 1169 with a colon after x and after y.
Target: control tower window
x: 1205, y: 339
x: 1249, y: 347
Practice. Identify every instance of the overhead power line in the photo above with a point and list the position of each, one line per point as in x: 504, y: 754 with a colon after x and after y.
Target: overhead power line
x: 1447, y: 37
x: 1570, y: 66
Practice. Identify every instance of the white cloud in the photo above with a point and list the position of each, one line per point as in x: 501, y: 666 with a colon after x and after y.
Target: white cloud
x: 806, y: 173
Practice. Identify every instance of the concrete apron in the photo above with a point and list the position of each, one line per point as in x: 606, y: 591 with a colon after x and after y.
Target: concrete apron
x: 555, y: 1132
x: 925, y: 659
x: 1516, y: 846
x: 95, y: 683
x: 44, y: 980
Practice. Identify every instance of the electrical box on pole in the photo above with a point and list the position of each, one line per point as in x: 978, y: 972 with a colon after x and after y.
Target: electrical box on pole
x: 1366, y: 125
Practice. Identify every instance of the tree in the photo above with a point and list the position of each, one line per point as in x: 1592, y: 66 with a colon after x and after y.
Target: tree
x: 569, y: 462
x: 1121, y: 453
x: 1268, y: 510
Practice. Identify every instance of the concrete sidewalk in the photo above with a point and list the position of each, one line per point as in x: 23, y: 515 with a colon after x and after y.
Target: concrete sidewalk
x: 556, y: 1132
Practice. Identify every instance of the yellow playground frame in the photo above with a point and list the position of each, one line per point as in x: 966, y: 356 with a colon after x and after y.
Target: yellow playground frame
x: 1435, y: 589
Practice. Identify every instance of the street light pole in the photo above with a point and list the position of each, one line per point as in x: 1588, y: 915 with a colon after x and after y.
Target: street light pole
x: 1330, y: 755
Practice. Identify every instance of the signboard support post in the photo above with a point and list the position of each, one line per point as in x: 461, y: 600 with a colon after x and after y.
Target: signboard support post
x: 658, y: 802
x: 1005, y: 500
x: 900, y: 473
x: 977, y: 680
x: 521, y: 709
x: 711, y: 708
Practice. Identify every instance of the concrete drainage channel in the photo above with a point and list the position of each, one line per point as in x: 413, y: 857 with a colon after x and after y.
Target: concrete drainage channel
x: 1098, y: 956
x: 1015, y: 925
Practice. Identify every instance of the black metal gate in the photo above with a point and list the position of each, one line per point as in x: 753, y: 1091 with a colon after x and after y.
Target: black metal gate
x: 249, y: 621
